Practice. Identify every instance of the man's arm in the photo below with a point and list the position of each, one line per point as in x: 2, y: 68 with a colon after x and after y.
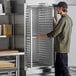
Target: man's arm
x: 54, y: 21
x: 57, y: 30
x: 40, y: 36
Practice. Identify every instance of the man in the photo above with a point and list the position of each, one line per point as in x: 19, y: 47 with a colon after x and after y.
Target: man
x: 62, y: 32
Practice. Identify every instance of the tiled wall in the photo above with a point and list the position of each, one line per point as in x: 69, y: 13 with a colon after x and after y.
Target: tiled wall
x: 18, y: 21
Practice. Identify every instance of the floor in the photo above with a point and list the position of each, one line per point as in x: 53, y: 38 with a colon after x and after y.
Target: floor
x: 72, y: 72
x: 46, y: 75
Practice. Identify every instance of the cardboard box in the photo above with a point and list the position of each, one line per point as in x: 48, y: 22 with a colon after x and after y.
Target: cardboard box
x: 7, y: 29
x: 6, y: 64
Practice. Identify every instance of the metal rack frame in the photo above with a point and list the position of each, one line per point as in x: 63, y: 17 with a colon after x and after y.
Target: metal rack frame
x: 17, y: 68
x: 25, y: 6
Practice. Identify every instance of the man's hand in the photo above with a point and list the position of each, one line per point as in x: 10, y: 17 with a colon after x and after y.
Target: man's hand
x: 41, y: 36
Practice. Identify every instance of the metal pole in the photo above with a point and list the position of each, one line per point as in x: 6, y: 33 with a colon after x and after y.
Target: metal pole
x: 17, y: 66
x: 9, y: 73
x: 31, y: 41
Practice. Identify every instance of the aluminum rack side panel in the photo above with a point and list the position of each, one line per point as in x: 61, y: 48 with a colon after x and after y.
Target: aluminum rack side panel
x: 39, y: 52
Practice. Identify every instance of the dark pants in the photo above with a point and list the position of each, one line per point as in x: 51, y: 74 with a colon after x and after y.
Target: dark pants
x: 61, y: 64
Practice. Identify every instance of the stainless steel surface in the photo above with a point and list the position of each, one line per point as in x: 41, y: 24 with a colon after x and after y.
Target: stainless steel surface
x: 12, y: 54
x: 38, y: 21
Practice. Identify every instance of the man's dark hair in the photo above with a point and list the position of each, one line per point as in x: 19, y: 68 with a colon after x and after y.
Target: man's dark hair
x: 62, y: 5
x: 64, y: 9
